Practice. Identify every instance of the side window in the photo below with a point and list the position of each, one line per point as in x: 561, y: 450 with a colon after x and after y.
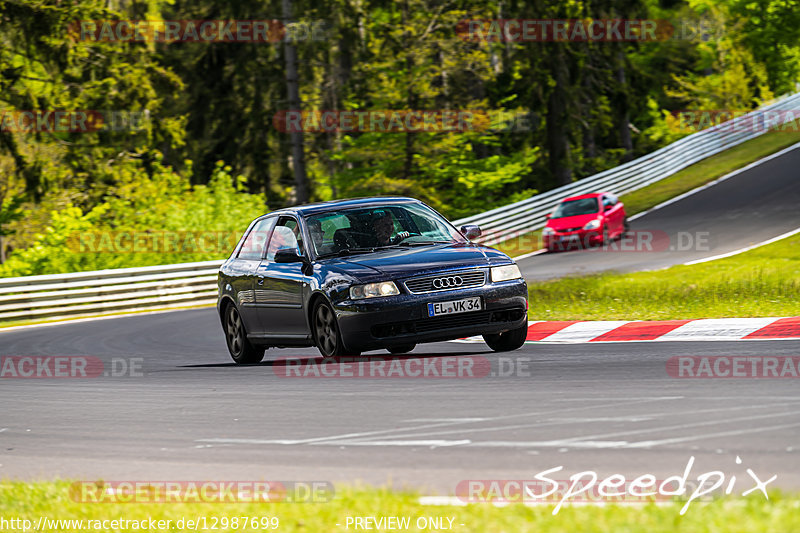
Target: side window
x: 253, y: 246
x: 286, y: 236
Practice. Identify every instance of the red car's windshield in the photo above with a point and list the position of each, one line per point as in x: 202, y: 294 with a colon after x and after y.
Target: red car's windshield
x: 584, y: 206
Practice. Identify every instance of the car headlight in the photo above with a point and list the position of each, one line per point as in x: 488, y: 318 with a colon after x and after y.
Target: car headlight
x: 373, y: 290
x: 594, y: 224
x: 505, y: 273
x: 547, y: 231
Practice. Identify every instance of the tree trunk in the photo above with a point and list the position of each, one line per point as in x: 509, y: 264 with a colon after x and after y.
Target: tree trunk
x: 557, y: 133
x: 298, y: 156
x: 624, y: 109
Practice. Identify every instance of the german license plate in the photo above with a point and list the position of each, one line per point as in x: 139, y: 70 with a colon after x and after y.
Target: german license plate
x: 455, y: 306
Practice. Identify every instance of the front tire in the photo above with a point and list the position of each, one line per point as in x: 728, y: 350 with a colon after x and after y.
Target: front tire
x: 327, y: 336
x: 241, y: 350
x: 508, y: 340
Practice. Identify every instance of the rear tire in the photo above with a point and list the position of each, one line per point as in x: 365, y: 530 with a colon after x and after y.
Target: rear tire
x: 241, y: 350
x: 626, y: 226
x: 509, y: 340
x: 402, y: 348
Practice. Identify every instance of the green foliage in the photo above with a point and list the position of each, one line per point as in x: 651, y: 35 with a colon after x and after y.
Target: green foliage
x: 186, y: 223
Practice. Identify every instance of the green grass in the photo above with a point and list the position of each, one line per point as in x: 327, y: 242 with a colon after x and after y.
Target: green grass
x: 687, y: 179
x: 759, y: 283
x: 743, y: 515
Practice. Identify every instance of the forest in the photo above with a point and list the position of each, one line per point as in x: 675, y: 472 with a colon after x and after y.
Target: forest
x: 145, y: 117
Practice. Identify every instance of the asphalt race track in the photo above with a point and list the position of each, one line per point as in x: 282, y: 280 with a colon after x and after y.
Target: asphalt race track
x: 189, y: 413
x: 753, y: 206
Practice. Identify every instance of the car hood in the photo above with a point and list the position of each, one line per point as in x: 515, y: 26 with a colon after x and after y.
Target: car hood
x: 571, y: 222
x: 397, y: 263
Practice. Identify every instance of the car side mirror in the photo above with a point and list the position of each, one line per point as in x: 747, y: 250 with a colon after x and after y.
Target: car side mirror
x: 547, y: 216
x: 288, y: 256
x: 471, y: 231
x: 608, y: 208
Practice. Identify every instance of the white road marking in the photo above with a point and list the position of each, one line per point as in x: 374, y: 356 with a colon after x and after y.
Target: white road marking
x: 431, y: 443
x: 529, y: 254
x: 4, y: 329
x: 582, y: 331
x: 716, y: 181
x: 651, y: 443
x: 719, y: 328
x: 446, y: 420
x: 590, y: 441
x: 481, y: 444
x: 745, y: 249
x: 427, y: 426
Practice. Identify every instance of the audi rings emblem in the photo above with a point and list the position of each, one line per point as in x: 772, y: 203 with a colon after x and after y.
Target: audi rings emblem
x: 447, y: 283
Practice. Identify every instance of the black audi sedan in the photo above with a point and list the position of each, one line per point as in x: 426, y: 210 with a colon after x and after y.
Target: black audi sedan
x: 371, y: 273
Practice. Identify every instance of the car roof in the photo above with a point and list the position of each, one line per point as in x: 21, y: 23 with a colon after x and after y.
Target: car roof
x: 331, y: 205
x: 582, y: 196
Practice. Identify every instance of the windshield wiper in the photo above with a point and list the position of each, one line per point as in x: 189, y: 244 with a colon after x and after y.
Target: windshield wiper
x: 346, y: 251
x: 424, y: 243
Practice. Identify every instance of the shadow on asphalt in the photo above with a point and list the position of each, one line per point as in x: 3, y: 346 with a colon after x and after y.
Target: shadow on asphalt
x: 282, y: 361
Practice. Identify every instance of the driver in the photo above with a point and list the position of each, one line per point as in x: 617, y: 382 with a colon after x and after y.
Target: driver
x: 315, y: 229
x: 383, y: 226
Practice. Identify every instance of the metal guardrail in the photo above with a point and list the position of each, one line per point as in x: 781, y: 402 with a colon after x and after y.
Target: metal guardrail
x: 521, y: 217
x: 108, y: 291
x: 170, y: 286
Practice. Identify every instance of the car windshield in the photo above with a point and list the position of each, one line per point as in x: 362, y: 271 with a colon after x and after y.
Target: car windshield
x: 365, y: 229
x: 571, y: 208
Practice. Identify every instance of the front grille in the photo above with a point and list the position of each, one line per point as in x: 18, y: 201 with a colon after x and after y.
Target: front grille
x: 447, y: 322
x: 569, y: 230
x: 447, y: 282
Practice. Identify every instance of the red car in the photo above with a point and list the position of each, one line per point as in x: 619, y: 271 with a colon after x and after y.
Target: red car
x: 585, y: 220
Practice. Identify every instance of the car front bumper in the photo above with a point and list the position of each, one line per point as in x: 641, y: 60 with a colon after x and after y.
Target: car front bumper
x: 403, y: 319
